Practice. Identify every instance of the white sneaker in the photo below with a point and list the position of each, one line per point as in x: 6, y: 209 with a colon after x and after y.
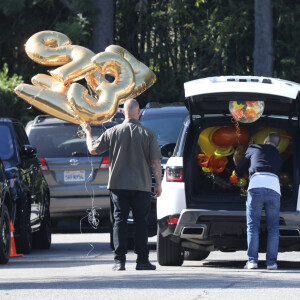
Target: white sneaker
x: 250, y: 265
x: 272, y: 267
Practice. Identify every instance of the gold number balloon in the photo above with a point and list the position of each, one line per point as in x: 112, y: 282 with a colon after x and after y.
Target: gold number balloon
x: 54, y: 49
x: 95, y: 111
x: 59, y: 95
x: 144, y: 77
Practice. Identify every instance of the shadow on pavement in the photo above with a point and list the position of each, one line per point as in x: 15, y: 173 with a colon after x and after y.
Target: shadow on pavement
x: 158, y: 280
x: 227, y: 264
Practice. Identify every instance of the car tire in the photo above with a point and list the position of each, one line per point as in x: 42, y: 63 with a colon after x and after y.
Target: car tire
x: 195, y: 254
x: 5, y: 238
x: 169, y: 253
x: 24, y: 240
x: 42, y: 238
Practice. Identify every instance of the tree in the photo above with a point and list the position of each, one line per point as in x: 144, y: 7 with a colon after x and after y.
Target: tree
x: 103, y: 30
x: 286, y: 24
x: 178, y: 40
x: 263, y: 42
x: 10, y: 104
x: 19, y: 20
x: 186, y: 40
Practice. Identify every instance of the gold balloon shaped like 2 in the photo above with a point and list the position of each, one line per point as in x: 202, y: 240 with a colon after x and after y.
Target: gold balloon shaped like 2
x: 60, y: 96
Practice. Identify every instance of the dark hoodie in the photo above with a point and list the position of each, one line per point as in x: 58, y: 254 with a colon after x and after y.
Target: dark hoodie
x: 259, y: 158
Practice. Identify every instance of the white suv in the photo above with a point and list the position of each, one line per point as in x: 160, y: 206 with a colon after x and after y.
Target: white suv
x: 200, y: 210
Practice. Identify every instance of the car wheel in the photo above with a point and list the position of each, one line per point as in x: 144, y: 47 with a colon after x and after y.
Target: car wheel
x: 42, y: 238
x: 168, y: 253
x: 5, y: 239
x: 24, y: 240
x: 195, y: 255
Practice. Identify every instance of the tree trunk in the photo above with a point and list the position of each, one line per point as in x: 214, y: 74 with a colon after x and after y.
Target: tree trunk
x: 263, y: 41
x: 103, y: 31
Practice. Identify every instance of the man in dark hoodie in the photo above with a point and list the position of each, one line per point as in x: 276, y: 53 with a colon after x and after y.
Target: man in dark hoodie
x: 263, y: 163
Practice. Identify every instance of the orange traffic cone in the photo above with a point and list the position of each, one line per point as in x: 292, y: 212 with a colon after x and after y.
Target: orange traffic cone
x: 13, y: 251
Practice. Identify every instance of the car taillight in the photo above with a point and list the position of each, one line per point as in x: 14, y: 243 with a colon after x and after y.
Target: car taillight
x: 44, y: 166
x: 104, y: 163
x: 173, y: 221
x: 174, y: 174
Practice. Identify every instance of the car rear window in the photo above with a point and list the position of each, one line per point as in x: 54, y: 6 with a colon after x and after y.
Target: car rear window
x: 61, y: 141
x: 166, y: 126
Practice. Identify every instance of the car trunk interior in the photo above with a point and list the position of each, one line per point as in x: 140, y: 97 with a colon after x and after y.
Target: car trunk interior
x: 209, y: 186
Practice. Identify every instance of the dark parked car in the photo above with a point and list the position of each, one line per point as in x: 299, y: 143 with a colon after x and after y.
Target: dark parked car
x: 166, y: 121
x: 5, y: 206
x: 77, y: 180
x: 28, y: 188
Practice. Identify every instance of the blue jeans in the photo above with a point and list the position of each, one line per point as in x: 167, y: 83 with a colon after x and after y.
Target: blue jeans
x: 140, y: 203
x: 256, y: 200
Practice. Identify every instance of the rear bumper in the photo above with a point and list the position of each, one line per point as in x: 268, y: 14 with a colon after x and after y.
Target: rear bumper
x: 227, y: 230
x: 78, y: 207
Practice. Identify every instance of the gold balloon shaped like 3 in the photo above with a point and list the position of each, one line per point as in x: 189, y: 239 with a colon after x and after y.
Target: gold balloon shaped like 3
x: 59, y: 95
x: 93, y: 111
x: 144, y: 77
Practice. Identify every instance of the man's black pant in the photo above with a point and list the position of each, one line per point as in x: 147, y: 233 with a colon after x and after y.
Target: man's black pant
x: 139, y: 202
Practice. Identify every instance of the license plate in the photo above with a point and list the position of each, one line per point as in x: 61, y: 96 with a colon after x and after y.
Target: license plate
x: 70, y: 176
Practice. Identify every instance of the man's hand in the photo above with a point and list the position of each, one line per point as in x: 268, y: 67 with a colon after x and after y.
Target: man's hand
x: 156, y: 170
x: 89, y: 138
x: 86, y: 128
x: 157, y: 190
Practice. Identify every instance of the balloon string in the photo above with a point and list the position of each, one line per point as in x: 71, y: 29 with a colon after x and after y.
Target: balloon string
x: 237, y: 129
x: 92, y: 214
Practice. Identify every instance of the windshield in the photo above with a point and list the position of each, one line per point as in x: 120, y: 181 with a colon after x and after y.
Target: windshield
x: 166, y: 127
x: 61, y: 141
x: 7, y: 149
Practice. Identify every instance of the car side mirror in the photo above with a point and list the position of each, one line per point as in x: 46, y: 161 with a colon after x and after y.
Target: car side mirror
x: 167, y: 149
x: 28, y: 151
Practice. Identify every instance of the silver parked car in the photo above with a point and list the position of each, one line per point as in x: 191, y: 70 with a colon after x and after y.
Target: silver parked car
x: 77, y: 180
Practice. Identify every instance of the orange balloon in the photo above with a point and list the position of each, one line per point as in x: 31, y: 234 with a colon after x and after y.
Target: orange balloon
x: 203, y: 160
x: 212, y: 163
x: 228, y: 136
x: 218, y: 164
x: 250, y: 114
x: 252, y: 103
x: 233, y: 179
x: 237, y: 113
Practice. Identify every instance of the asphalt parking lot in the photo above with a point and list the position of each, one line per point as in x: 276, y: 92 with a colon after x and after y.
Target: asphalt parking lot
x: 78, y: 266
